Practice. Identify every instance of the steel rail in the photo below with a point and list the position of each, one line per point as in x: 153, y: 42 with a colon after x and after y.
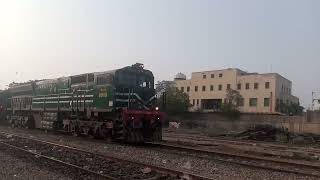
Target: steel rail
x: 158, y: 169
x: 101, y: 176
x: 208, y: 141
x: 248, y: 157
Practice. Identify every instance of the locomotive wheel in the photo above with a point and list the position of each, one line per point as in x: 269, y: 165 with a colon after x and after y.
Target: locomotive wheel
x: 118, y: 132
x: 131, y: 137
x: 30, y: 123
x: 157, y: 135
x: 96, y: 134
x: 160, y: 134
x: 140, y: 138
x: 76, y: 132
x: 125, y: 134
x: 135, y: 136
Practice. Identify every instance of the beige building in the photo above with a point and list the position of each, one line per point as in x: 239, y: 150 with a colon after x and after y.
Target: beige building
x: 262, y: 93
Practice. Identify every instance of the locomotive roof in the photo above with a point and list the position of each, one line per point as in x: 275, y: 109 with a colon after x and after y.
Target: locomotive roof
x: 113, y: 72
x: 20, y: 85
x: 51, y: 81
x: 137, y: 68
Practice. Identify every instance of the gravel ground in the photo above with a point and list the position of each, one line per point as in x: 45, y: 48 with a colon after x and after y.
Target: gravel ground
x: 21, y: 168
x: 118, y: 169
x: 205, y: 167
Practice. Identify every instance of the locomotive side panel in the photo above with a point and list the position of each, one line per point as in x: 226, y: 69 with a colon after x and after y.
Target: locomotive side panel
x: 118, y: 103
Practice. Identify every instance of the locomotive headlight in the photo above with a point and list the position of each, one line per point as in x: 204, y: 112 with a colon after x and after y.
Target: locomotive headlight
x: 157, y: 108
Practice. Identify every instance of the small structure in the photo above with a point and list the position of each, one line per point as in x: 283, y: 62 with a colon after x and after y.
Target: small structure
x: 180, y: 76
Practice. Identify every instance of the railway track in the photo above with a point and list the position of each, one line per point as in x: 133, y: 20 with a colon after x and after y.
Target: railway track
x: 210, y: 141
x: 255, y: 162
x: 100, y: 166
x: 275, y: 164
x: 79, y: 169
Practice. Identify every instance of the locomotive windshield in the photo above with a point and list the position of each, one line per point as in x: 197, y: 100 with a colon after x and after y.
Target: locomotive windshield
x: 145, y: 82
x: 135, y: 80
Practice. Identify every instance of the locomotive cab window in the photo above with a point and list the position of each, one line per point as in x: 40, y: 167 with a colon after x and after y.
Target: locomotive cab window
x: 78, y: 79
x: 104, y: 79
x: 145, y: 84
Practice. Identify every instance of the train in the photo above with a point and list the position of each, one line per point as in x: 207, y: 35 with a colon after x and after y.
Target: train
x: 117, y: 104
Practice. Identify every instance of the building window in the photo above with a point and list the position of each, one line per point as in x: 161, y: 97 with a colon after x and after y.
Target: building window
x: 203, y: 88
x: 193, y: 102
x: 220, y: 87
x: 267, y: 85
x: 253, y: 102
x: 228, y: 86
x: 241, y: 102
x: 211, y: 88
x: 220, y: 75
x: 247, y: 86
x: 182, y: 89
x: 188, y: 89
x: 266, y: 102
x: 212, y: 75
x: 197, y: 102
x: 239, y: 86
x: 204, y: 76
x: 196, y: 88
x: 256, y: 85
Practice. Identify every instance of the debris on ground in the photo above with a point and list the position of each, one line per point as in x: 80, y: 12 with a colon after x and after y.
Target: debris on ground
x: 262, y: 133
x: 9, y: 136
x: 174, y: 125
x: 146, y: 170
x: 274, y: 134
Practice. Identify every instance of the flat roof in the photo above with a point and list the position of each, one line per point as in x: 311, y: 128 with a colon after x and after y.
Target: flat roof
x: 219, y: 70
x: 245, y: 73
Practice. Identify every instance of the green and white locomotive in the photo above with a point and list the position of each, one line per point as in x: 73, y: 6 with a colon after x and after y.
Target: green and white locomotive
x: 118, y: 104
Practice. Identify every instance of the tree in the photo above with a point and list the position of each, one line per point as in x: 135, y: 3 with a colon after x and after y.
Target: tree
x: 289, y: 109
x: 232, y: 102
x: 161, y: 87
x: 233, y: 97
x: 296, y: 109
x: 176, y: 100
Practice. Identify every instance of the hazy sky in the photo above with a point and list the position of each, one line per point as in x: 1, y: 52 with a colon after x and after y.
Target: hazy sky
x: 46, y: 39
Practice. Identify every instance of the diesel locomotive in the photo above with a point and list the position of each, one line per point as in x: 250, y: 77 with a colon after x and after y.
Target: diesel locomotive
x: 117, y: 104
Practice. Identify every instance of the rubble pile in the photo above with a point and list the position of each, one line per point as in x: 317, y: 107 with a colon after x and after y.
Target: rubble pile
x: 274, y: 134
x: 262, y: 133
